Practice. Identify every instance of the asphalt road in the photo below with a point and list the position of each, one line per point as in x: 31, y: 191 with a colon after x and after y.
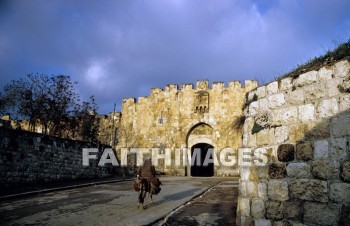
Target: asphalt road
x: 106, y: 204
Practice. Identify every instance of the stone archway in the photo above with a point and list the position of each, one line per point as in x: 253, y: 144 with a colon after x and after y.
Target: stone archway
x: 201, y: 137
x: 200, y: 168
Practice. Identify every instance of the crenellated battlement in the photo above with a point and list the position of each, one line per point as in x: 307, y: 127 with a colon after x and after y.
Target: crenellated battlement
x: 201, y: 85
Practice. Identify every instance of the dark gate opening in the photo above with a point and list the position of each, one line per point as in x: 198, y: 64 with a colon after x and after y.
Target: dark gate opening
x: 199, y: 169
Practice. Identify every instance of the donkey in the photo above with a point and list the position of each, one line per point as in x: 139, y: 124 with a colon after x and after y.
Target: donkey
x: 145, y: 187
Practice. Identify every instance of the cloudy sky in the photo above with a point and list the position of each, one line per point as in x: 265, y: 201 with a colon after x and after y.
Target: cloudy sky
x: 123, y: 48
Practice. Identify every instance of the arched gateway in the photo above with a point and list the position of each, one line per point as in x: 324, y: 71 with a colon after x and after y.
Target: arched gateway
x: 200, y: 140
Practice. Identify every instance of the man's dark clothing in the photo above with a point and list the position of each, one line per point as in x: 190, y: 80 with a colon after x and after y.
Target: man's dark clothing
x: 147, y: 170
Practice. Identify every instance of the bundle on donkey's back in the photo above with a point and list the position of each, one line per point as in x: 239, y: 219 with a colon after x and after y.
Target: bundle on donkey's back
x: 146, y: 182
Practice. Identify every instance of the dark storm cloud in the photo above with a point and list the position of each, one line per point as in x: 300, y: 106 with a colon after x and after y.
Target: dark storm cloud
x: 117, y: 49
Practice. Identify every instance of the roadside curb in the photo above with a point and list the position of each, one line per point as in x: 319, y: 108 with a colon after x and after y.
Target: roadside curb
x: 32, y: 193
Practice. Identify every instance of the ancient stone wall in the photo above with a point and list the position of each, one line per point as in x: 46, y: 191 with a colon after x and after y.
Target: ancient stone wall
x: 27, y: 157
x: 295, y: 167
x: 168, y: 118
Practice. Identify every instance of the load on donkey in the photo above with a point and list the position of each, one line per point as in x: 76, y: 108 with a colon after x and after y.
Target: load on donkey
x: 146, y: 181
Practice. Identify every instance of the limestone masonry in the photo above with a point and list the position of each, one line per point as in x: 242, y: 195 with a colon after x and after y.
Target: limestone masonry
x: 178, y: 118
x: 302, y: 126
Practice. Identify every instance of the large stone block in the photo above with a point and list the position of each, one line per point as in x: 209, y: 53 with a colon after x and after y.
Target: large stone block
x: 281, y: 223
x: 262, y: 191
x: 265, y: 137
x: 263, y: 104
x: 292, y: 210
x: 321, y: 150
x: 262, y: 222
x: 325, y: 169
x: 306, y: 78
x: 296, y: 97
x: 344, y: 102
x: 274, y: 210
x: 272, y: 88
x: 340, y: 124
x: 285, y: 116
x: 327, y: 108
x: 258, y: 208
x: 340, y: 192
x: 298, y: 170
x: 321, y: 214
x: 305, y: 151
x: 332, y: 87
x: 277, y: 171
x: 339, y: 148
x: 281, y: 134
x: 276, y: 100
x: 285, y: 152
x: 244, y: 207
x: 345, y: 171
x: 261, y: 91
x: 309, y: 189
x: 253, y: 108
x: 278, y: 190
x: 325, y: 74
x: 286, y: 83
x: 341, y: 69
x: 315, y: 92
x: 252, y: 190
x: 307, y: 113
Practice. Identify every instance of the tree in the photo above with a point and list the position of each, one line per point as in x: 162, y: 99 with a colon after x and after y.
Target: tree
x: 89, y: 121
x: 45, y: 100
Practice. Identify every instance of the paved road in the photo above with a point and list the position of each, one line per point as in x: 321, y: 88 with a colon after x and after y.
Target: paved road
x: 108, y: 204
x: 217, y: 206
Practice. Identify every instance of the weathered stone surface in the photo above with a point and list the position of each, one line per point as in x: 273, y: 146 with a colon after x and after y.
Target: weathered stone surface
x: 262, y: 222
x: 339, y: 148
x: 281, y: 223
x: 286, y: 83
x: 264, y: 137
x: 314, y: 92
x: 298, y: 170
x: 285, y: 152
x: 278, y: 190
x: 309, y: 189
x: 321, y: 150
x: 325, y: 73
x: 344, y: 102
x: 306, y: 113
x: 277, y: 171
x: 274, y: 210
x: 304, y: 151
x: 272, y: 88
x: 327, y: 108
x: 262, y: 191
x: 333, y: 87
x: 252, y: 190
x: 244, y: 206
x: 325, y: 169
x: 285, y: 116
x: 345, y: 171
x: 306, y: 78
x: 281, y: 134
x: 340, y: 192
x: 253, y: 108
x: 340, y: 124
x: 263, y: 104
x: 341, y: 69
x: 317, y: 130
x: 276, y: 100
x: 263, y: 171
x: 292, y: 210
x: 296, y: 97
x: 258, y: 208
x: 321, y: 214
x: 261, y: 91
